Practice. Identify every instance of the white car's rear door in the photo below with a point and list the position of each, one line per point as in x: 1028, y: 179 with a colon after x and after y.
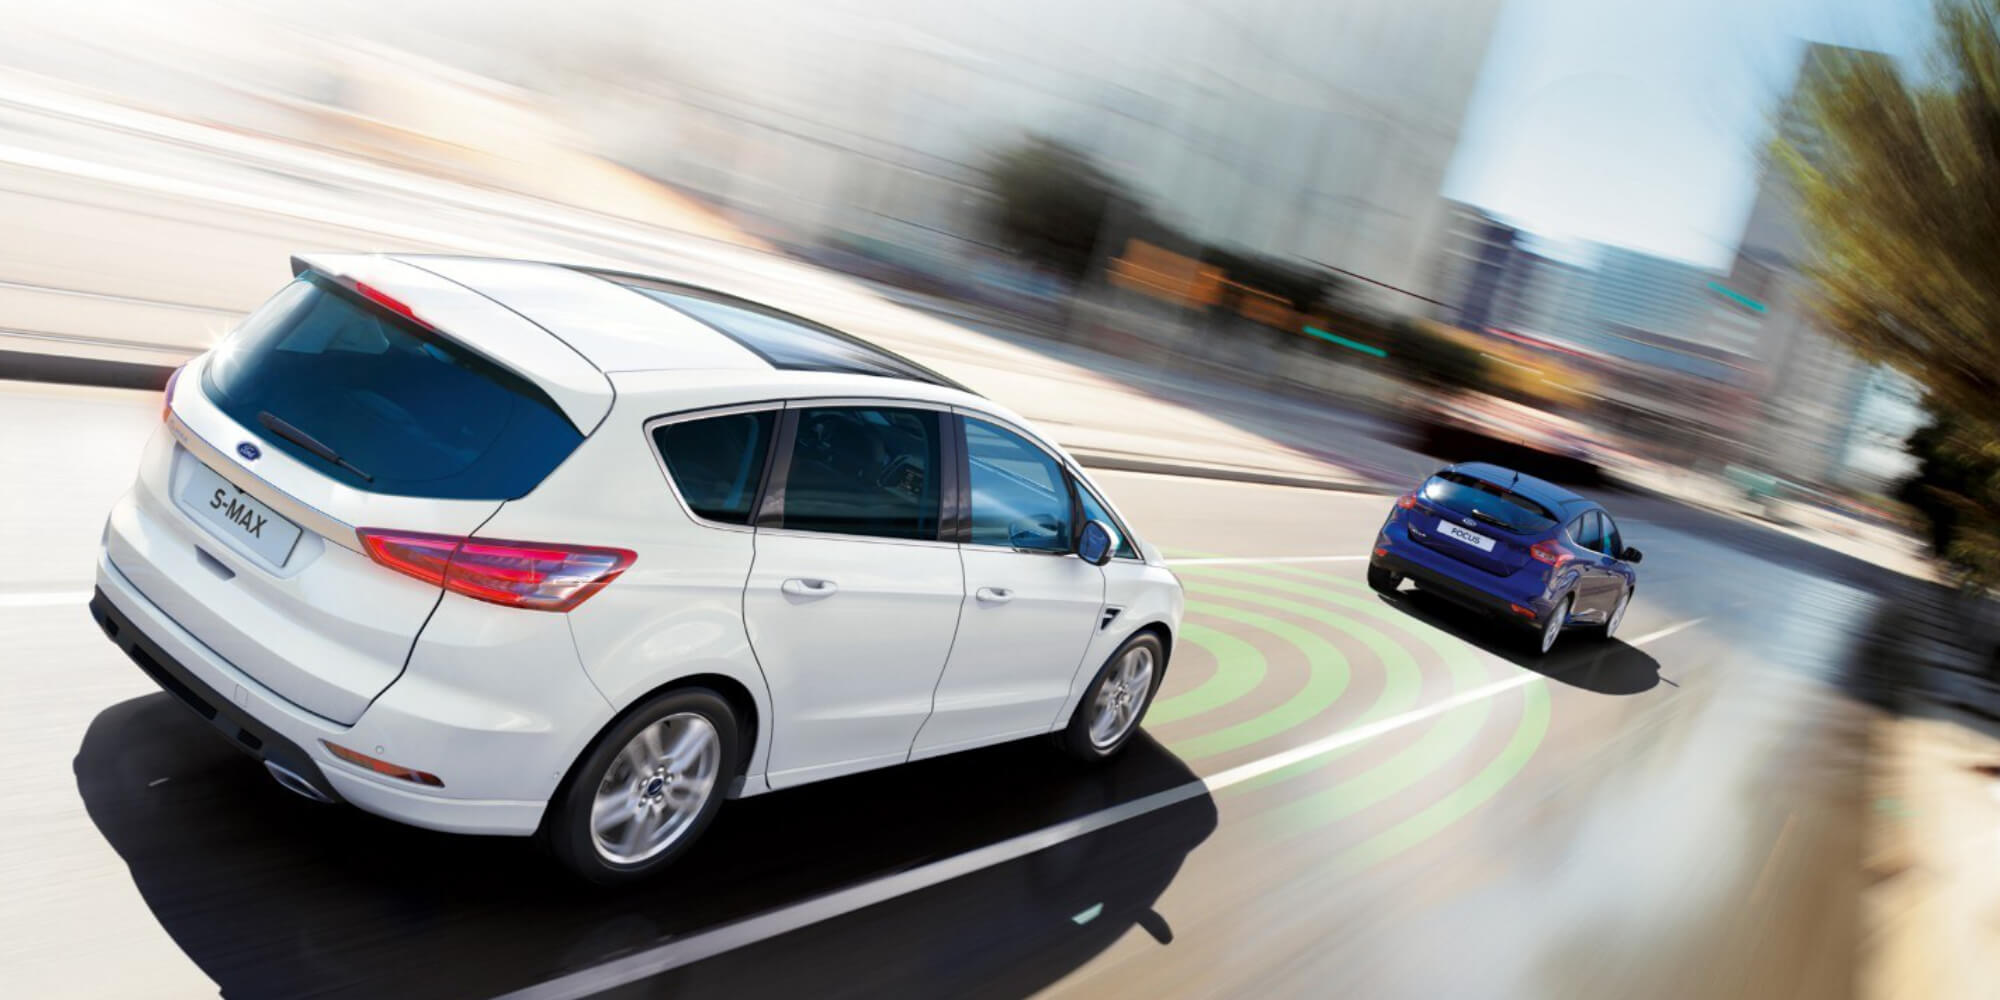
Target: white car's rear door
x: 852, y: 599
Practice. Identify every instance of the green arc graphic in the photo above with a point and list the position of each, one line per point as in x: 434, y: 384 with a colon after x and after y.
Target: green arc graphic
x: 1463, y: 800
x: 1326, y: 679
x: 1239, y: 668
x: 1465, y: 668
x: 1348, y: 606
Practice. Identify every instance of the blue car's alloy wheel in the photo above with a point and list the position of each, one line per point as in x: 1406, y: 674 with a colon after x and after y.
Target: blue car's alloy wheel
x: 1554, y: 625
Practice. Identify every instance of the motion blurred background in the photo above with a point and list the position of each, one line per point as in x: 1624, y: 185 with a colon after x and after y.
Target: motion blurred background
x: 1739, y: 254
x: 1572, y: 224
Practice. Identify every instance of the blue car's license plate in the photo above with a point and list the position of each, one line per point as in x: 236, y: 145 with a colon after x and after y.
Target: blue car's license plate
x: 1472, y: 538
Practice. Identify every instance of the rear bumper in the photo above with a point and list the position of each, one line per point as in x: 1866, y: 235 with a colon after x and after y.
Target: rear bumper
x: 260, y: 723
x: 238, y: 726
x: 1448, y: 578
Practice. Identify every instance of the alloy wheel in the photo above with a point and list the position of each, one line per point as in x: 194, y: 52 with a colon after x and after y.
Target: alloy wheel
x: 1554, y: 626
x: 655, y: 788
x: 1121, y: 696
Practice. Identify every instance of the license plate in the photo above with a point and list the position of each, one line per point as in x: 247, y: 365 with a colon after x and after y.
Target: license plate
x: 236, y: 516
x: 1472, y: 538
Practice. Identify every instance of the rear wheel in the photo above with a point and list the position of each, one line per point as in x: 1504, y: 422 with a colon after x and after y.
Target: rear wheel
x: 647, y: 790
x: 1116, y: 700
x: 1383, y: 581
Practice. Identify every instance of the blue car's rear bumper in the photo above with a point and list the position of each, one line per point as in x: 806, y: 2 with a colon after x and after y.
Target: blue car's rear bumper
x: 1462, y: 583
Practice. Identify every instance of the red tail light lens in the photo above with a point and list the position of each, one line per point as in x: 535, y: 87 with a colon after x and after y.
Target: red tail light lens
x: 1407, y: 501
x: 1549, y: 551
x: 167, y: 400
x: 532, y: 575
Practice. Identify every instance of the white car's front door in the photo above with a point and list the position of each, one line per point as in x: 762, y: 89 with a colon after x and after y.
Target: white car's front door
x: 1030, y: 605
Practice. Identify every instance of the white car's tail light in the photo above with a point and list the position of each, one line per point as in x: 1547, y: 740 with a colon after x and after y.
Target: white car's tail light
x: 534, y: 575
x: 167, y: 398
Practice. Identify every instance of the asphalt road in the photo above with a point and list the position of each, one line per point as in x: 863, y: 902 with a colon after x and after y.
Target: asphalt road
x: 1338, y: 795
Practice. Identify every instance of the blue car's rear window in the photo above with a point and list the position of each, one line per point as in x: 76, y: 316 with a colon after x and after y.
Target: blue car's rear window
x: 1489, y: 502
x: 415, y: 413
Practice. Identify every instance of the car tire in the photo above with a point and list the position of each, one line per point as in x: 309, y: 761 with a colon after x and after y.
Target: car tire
x: 664, y: 769
x: 1382, y: 581
x: 1542, y: 639
x: 1091, y: 735
x: 1604, y: 632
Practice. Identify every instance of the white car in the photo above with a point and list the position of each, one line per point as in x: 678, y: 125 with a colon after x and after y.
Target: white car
x: 500, y: 547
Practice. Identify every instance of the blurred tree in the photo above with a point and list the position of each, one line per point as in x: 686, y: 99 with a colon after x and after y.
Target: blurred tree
x: 1304, y: 288
x: 1432, y: 357
x: 1052, y: 204
x: 1900, y: 196
x: 1953, y: 490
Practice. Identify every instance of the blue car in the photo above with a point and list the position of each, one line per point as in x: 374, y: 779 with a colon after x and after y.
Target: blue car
x: 1512, y: 546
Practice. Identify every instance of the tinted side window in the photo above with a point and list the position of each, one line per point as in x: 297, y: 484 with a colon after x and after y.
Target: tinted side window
x: 1020, y: 497
x: 1094, y: 511
x: 1586, y: 531
x: 864, y: 471
x: 1613, y: 542
x: 718, y: 462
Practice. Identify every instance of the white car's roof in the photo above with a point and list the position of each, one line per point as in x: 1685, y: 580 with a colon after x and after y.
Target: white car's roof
x: 568, y: 328
x: 613, y: 326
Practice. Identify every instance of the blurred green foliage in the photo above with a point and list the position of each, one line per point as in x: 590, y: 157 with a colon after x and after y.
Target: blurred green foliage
x: 1430, y: 356
x: 1900, y: 193
x: 1051, y: 203
x: 1056, y: 207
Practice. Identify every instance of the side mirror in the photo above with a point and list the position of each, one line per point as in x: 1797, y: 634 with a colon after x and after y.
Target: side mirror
x: 1631, y: 555
x: 1096, y: 542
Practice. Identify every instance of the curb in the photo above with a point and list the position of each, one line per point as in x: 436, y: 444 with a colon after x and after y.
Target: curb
x: 28, y: 366
x: 1191, y: 470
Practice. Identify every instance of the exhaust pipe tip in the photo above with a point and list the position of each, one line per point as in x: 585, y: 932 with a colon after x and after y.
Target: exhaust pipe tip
x: 290, y: 781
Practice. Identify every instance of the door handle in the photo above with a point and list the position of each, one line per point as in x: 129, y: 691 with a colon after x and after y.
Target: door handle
x: 809, y: 588
x: 994, y: 595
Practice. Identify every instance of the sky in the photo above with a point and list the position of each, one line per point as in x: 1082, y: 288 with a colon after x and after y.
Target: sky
x: 1641, y: 123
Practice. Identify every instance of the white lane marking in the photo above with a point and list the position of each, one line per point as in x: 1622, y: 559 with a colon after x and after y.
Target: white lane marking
x: 1219, y: 560
x: 45, y: 599
x: 1659, y: 634
x: 678, y: 952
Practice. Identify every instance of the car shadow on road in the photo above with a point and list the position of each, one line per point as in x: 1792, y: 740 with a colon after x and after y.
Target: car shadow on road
x: 1580, y: 659
x: 272, y: 895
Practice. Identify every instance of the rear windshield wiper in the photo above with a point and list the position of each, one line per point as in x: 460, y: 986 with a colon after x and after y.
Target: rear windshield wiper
x: 1490, y: 519
x: 278, y: 426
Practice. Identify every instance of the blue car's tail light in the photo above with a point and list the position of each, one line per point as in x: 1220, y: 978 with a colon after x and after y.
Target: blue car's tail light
x: 1549, y: 551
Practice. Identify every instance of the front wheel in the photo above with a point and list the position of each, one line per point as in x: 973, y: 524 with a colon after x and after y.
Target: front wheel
x: 647, y: 789
x: 1611, y: 624
x: 1116, y: 700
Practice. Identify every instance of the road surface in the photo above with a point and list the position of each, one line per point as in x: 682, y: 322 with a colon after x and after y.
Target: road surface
x: 1337, y: 795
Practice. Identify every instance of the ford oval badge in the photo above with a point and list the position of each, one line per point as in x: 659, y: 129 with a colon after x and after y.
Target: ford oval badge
x: 250, y: 452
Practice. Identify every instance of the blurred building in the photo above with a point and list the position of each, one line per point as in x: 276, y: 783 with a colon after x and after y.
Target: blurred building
x: 1635, y: 295
x: 1319, y: 131
x: 1488, y: 274
x: 1826, y: 416
x: 1476, y: 266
